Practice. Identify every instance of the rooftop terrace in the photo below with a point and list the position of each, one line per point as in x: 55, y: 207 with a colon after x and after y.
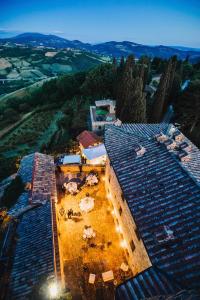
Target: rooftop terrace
x: 100, y: 254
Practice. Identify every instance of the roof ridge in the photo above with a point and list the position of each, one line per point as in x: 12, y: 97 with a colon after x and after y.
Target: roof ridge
x: 117, y: 128
x: 152, y: 138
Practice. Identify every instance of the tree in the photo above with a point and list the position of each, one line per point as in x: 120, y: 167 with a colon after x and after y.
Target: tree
x: 11, y: 114
x: 99, y: 82
x: 134, y: 101
x: 187, y: 111
x: 118, y: 87
x: 161, y: 97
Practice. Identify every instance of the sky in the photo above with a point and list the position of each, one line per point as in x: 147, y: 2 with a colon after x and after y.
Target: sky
x: 166, y: 22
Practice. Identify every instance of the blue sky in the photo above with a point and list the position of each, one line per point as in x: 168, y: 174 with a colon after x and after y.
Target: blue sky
x: 168, y: 22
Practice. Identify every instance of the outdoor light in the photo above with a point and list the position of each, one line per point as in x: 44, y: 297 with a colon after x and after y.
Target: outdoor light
x: 109, y: 195
x: 123, y: 244
x: 53, y: 290
x: 118, y: 229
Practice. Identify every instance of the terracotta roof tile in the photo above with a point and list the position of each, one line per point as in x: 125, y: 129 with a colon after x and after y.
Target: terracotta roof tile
x: 88, y: 138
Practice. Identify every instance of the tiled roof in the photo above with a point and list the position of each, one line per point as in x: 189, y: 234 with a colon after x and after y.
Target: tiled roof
x: 36, y: 252
x: 88, y: 138
x: 26, y: 172
x: 151, y: 282
x: 26, y: 167
x: 143, y: 130
x: 181, y: 295
x: 193, y: 166
x: 163, y: 199
x: 150, y: 130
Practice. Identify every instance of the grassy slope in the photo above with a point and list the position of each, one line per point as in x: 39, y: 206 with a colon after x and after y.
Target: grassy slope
x: 30, y: 65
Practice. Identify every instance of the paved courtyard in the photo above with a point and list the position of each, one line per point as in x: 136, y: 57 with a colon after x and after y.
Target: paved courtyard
x: 82, y: 257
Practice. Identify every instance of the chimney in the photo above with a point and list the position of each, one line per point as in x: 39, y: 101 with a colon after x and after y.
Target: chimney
x: 161, y: 138
x: 183, y: 156
x: 178, y: 136
x: 139, y: 150
x: 185, y: 146
x: 170, y: 144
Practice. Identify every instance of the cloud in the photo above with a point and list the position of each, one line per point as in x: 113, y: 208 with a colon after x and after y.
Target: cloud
x: 57, y: 32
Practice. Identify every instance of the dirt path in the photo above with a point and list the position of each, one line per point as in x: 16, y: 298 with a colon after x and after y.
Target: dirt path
x: 22, y: 92
x: 10, y: 127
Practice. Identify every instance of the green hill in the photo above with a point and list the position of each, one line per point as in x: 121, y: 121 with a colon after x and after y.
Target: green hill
x: 22, y: 66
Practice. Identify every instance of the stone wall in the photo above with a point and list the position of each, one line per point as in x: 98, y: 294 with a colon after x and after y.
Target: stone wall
x: 134, y: 248
x: 85, y: 168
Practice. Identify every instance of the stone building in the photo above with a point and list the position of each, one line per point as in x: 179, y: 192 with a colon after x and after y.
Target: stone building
x: 36, y: 253
x: 101, y: 114
x: 155, y: 193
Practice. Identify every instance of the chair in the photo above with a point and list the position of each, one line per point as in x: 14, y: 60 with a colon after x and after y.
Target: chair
x: 107, y: 276
x: 92, y: 278
x: 124, y: 267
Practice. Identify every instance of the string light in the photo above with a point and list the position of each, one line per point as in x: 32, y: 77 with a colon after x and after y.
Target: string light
x: 118, y: 229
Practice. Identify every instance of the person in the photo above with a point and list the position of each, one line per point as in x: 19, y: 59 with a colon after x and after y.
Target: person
x: 80, y: 168
x: 70, y: 213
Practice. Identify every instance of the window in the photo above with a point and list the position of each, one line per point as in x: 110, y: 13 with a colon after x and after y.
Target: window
x: 132, y: 245
x: 137, y: 234
x: 120, y: 210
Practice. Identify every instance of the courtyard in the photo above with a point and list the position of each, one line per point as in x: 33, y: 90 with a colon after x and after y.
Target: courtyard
x: 100, y: 253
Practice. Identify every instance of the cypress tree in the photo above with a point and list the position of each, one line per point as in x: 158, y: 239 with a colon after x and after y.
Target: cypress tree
x: 119, y: 87
x: 134, y: 108
x: 160, y: 95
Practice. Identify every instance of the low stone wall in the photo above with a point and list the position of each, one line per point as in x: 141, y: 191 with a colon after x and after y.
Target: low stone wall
x: 85, y: 168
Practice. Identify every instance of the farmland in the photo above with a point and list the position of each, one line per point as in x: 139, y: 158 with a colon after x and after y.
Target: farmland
x: 22, y: 66
x: 31, y: 134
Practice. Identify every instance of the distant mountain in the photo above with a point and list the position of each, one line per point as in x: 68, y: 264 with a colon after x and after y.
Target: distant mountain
x: 185, y: 48
x: 111, y: 48
x: 38, y: 39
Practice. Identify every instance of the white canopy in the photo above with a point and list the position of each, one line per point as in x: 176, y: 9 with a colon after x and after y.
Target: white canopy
x: 71, y: 159
x: 95, y: 152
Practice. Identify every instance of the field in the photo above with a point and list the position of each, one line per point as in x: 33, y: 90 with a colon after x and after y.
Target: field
x: 20, y: 67
x: 31, y: 135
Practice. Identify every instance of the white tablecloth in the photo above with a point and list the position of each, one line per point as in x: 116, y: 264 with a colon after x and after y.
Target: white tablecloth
x: 71, y: 187
x: 86, y: 204
x: 91, y: 179
x: 88, y: 233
